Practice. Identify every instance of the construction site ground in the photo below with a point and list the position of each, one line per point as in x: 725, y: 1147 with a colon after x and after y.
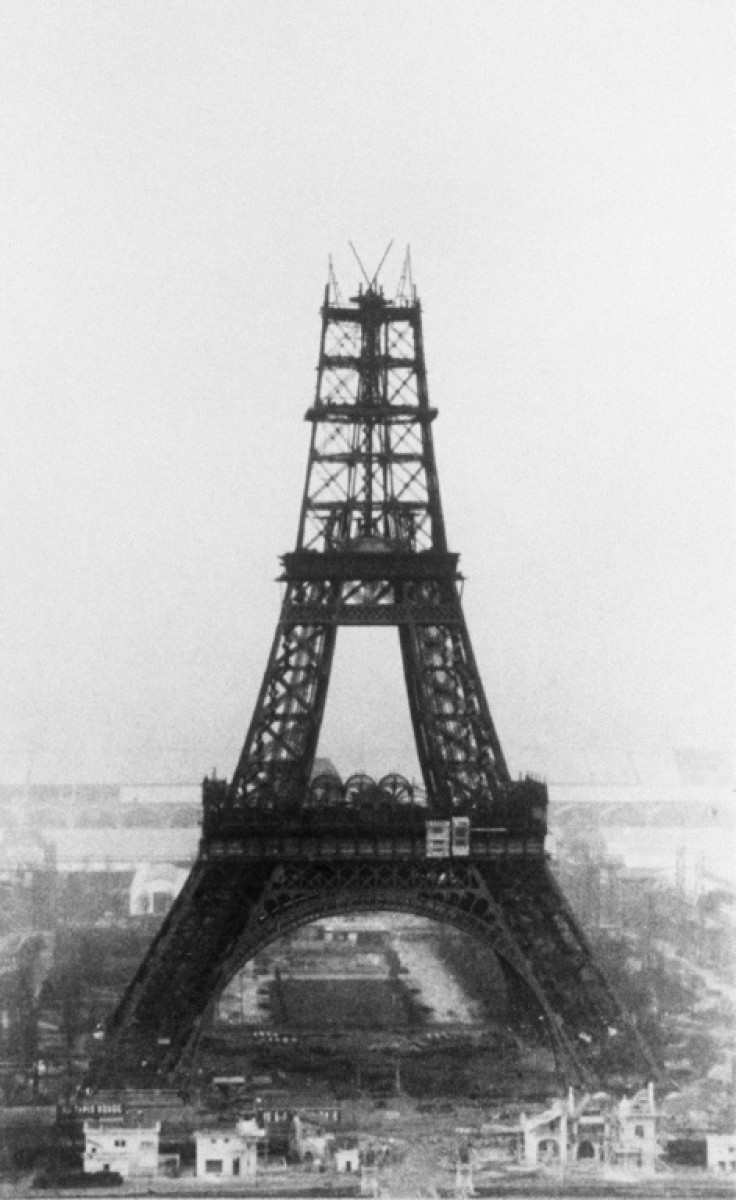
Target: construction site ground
x: 543, y: 1184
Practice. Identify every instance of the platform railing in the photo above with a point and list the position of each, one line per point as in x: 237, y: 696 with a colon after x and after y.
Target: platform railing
x: 390, y: 804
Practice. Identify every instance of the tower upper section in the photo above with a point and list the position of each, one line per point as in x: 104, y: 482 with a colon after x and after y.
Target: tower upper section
x: 371, y: 481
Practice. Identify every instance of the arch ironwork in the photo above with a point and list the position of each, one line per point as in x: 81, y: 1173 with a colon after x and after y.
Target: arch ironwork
x: 299, y: 894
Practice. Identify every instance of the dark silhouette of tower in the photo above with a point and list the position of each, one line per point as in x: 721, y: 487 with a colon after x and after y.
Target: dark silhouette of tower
x: 280, y: 847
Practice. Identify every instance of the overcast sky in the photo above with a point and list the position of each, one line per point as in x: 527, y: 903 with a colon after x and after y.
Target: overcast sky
x: 173, y: 177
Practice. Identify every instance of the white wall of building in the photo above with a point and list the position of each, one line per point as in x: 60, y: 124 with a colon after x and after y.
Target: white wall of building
x: 721, y: 1153
x: 227, y: 1153
x: 130, y: 1151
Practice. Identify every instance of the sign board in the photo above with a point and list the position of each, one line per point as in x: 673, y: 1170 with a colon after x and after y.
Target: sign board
x: 85, y: 1109
x: 438, y: 839
x: 461, y: 836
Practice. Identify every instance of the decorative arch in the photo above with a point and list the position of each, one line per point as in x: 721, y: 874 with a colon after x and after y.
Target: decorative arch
x: 447, y: 892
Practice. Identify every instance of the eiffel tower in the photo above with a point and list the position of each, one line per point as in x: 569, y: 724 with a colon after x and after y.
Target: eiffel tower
x: 280, y: 847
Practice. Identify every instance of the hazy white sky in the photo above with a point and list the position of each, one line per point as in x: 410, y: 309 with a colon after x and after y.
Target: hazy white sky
x: 172, y: 179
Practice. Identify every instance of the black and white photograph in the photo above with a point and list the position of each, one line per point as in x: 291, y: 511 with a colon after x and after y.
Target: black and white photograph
x: 367, y: 664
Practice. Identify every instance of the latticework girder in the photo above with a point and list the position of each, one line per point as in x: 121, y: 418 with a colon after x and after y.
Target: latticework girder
x: 280, y: 849
x: 371, y: 550
x: 222, y: 920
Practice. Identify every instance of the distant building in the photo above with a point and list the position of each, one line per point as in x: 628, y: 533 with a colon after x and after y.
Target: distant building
x: 347, y: 1156
x: 721, y: 1153
x: 594, y: 1130
x: 310, y: 1142
x: 500, y: 1143
x: 154, y: 888
x: 546, y: 1135
x: 590, y: 1128
x: 131, y: 1151
x: 228, y: 1153
x: 278, y: 1107
x: 635, y: 1142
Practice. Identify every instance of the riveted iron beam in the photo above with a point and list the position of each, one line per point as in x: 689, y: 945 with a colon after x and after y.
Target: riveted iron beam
x: 387, y: 414
x: 381, y: 564
x: 380, y: 313
x: 369, y: 614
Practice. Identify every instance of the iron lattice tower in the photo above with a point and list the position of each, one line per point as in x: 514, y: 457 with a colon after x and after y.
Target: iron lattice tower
x: 280, y: 847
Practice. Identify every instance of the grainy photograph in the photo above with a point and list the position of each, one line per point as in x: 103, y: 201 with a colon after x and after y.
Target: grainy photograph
x: 367, y: 823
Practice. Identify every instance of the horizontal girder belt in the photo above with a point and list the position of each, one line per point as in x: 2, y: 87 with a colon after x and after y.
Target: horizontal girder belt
x: 370, y: 614
x: 310, y: 565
